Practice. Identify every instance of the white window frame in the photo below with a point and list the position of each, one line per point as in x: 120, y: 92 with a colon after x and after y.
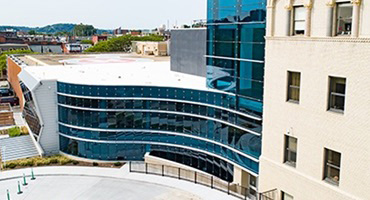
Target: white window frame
x: 294, y: 20
x: 335, y: 19
x: 288, y: 152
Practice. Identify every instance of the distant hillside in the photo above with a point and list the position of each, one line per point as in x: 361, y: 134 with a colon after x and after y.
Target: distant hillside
x: 49, y: 29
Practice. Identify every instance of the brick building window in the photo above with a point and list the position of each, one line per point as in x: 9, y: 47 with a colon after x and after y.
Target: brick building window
x: 294, y: 84
x: 299, y: 20
x: 332, y: 166
x: 337, y: 94
x: 344, y: 12
x: 290, y: 151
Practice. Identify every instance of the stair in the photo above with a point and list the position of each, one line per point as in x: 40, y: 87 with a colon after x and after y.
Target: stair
x: 18, y: 148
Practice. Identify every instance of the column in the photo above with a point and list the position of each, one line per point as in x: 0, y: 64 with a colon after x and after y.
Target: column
x: 288, y: 20
x: 356, y: 17
x: 329, y: 19
x: 308, y: 20
x: 270, y: 21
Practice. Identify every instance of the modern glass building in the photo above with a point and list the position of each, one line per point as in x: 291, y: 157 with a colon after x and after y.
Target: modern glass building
x: 188, y: 126
x: 129, y: 111
x: 236, y: 50
x: 126, y: 112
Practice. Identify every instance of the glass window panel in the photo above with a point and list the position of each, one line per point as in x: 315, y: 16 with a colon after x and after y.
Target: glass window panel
x: 290, y: 156
x: 299, y: 20
x: 332, y: 166
x: 337, y: 94
x: 294, y: 82
x: 344, y: 18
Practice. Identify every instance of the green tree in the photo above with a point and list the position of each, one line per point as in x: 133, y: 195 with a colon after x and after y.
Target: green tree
x: 32, y: 32
x: 86, y: 42
x: 121, y: 44
x: 84, y: 30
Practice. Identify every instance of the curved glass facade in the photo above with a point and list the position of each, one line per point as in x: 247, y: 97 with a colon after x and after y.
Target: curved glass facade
x: 105, y: 122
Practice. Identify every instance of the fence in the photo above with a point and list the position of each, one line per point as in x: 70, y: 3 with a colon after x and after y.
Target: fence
x: 198, y: 178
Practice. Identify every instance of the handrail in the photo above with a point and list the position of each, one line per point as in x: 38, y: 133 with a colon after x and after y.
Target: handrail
x: 198, y: 178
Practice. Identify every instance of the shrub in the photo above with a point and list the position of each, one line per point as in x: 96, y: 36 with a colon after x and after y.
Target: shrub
x: 54, y: 161
x: 26, y: 163
x: 95, y: 164
x: 117, y: 164
x: 24, y: 130
x: 87, y: 42
x: 75, y: 162
x: 42, y: 162
x: 11, y: 165
x: 14, y: 132
x: 64, y: 160
x: 4, y: 132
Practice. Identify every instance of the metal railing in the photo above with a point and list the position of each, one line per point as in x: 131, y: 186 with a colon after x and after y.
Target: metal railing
x: 198, y: 178
x: 268, y: 195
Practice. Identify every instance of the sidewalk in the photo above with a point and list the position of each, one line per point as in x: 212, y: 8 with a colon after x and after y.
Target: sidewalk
x: 111, y: 178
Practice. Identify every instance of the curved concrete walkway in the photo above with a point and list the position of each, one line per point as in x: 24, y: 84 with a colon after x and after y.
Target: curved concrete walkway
x: 102, y: 183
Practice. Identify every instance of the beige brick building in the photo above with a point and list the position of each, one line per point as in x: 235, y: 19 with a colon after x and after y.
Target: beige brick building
x: 316, y: 131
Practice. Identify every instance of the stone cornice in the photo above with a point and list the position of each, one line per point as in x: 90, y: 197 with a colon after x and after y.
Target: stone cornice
x: 320, y: 39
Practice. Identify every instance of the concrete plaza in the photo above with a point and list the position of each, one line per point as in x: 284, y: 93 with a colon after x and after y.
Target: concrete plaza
x: 101, y: 183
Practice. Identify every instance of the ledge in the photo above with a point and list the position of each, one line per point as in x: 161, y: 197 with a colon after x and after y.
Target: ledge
x: 320, y: 39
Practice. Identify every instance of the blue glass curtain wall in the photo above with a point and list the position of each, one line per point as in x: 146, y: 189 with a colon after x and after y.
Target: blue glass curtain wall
x: 101, y: 151
x: 206, y: 97
x: 236, y: 50
x: 204, y: 162
x: 168, y: 139
x: 150, y: 115
x: 162, y: 105
x: 233, y: 137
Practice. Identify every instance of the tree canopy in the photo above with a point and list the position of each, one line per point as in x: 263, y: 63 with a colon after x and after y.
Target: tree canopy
x: 121, y: 44
x: 84, y: 30
x: 86, y: 42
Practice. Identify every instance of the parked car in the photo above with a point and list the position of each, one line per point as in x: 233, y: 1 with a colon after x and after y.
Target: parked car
x: 5, y: 92
x: 14, y: 101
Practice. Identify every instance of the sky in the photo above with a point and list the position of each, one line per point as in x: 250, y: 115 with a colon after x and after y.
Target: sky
x: 104, y: 14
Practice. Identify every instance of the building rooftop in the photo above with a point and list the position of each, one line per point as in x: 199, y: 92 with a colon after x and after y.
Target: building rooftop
x: 86, y: 59
x: 139, y: 73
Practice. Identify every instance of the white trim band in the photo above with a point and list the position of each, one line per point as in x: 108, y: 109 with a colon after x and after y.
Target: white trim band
x: 238, y: 59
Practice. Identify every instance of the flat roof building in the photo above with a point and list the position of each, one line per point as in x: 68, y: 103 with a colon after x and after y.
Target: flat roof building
x: 118, y: 107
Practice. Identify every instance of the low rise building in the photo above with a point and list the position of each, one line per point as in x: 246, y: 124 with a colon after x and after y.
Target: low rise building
x: 98, y: 38
x: 11, y: 46
x: 151, y: 48
x: 127, y: 110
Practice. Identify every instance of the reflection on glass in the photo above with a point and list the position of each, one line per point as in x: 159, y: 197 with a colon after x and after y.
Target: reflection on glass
x: 29, y: 111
